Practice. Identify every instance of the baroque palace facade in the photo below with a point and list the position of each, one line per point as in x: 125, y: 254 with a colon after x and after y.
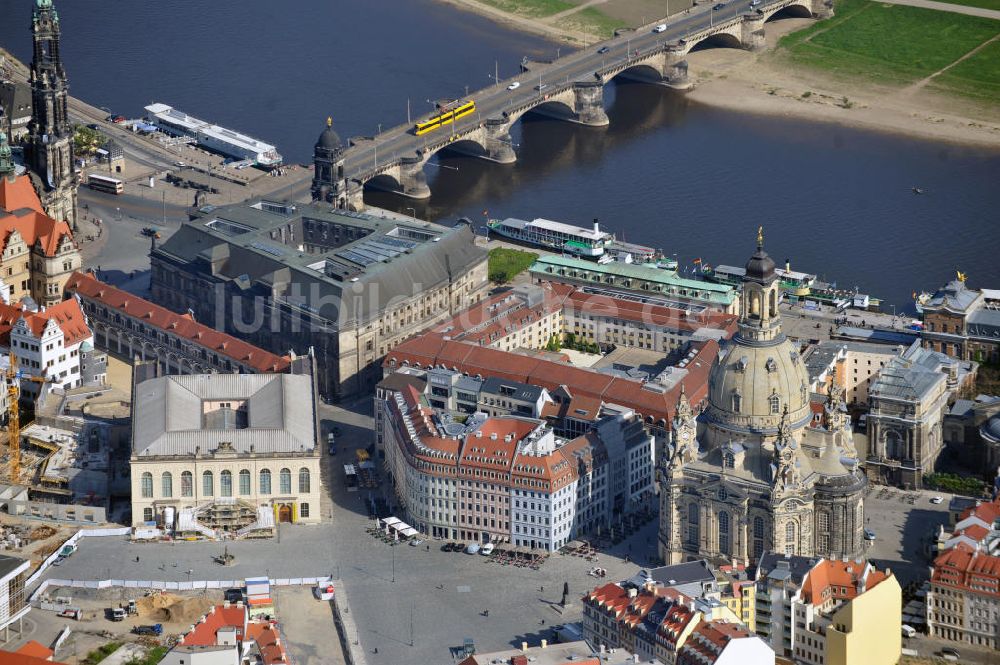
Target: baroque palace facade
x: 751, y: 474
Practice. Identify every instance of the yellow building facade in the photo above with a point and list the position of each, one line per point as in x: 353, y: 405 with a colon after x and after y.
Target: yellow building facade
x: 868, y: 629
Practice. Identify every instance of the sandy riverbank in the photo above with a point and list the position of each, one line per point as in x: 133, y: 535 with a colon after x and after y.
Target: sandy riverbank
x: 763, y: 83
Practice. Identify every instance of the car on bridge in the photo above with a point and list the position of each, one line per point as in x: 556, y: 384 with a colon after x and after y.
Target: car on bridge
x: 514, y: 86
x: 603, y: 49
x: 660, y: 28
x: 719, y: 6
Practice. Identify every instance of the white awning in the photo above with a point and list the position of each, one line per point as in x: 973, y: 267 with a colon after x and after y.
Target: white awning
x: 389, y: 521
x: 408, y: 532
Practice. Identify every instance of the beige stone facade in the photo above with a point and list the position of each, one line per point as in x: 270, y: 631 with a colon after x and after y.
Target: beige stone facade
x: 224, y: 453
x: 750, y: 474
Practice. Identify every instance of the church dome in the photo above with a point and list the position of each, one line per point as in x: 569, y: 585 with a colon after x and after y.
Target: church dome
x: 760, y: 375
x: 760, y: 267
x: 328, y: 139
x: 751, y: 387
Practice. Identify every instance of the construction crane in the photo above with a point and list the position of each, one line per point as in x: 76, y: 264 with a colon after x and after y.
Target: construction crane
x: 14, y: 378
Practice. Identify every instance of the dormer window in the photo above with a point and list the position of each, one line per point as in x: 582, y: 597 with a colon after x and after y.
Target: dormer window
x: 770, y: 365
x: 729, y: 462
x: 774, y: 402
x: 741, y: 364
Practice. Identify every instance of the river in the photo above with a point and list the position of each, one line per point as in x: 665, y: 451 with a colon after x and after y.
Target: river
x: 692, y: 180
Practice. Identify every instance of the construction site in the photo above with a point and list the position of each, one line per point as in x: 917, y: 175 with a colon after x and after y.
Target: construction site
x: 58, y: 458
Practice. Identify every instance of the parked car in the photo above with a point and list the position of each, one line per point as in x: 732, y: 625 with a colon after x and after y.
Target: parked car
x: 415, y: 542
x: 487, y: 549
x: 514, y: 86
x: 472, y: 548
x: 541, y: 86
x: 936, y: 500
x: 71, y: 613
x: 149, y: 629
x: 718, y: 7
x: 603, y: 49
x: 869, y: 534
x: 908, y: 631
x: 447, y: 547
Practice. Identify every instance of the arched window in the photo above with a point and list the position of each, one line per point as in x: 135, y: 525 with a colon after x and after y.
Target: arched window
x: 774, y: 303
x: 226, y: 483
x: 265, y: 481
x: 737, y: 402
x: 303, y: 480
x: 285, y: 481
x: 207, y: 484
x: 244, y: 483
x: 147, y: 485
x: 187, y: 484
x: 693, y: 534
x: 758, y: 537
x: 774, y: 402
x: 724, y: 533
x: 790, y: 538
x: 167, y: 484
x: 728, y: 460
x: 822, y: 532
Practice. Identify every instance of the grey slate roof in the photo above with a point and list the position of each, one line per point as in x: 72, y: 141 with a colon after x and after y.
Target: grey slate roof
x: 784, y: 566
x: 954, y: 295
x: 168, y: 420
x: 677, y: 575
x: 522, y: 391
x: 984, y: 322
x: 378, y: 259
x: 8, y: 564
x: 910, y: 376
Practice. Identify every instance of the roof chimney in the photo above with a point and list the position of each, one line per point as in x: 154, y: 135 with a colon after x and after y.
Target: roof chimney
x: 545, y: 643
x: 597, y: 227
x: 524, y: 647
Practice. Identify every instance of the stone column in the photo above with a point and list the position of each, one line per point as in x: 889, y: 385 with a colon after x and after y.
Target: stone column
x: 588, y: 104
x: 752, y: 32
x: 412, y: 179
x: 675, y: 71
x: 497, y: 142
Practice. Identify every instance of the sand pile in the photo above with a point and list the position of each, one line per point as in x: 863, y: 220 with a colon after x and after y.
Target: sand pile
x: 42, y: 532
x: 170, y: 608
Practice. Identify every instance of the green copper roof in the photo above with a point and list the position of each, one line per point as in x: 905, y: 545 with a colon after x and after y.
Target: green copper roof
x: 668, y: 281
x: 43, y: 4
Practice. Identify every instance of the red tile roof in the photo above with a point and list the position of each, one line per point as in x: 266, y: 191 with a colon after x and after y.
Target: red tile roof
x: 708, y: 641
x: 968, y: 570
x: 833, y: 579
x: 18, y: 194
x: 268, y: 642
x: 67, y: 315
x: 219, y: 617
x: 431, y: 350
x: 179, y: 325
x: 36, y: 649
x: 14, y: 658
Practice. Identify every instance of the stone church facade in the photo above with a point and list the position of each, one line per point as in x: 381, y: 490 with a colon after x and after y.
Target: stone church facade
x: 49, y: 149
x: 753, y: 473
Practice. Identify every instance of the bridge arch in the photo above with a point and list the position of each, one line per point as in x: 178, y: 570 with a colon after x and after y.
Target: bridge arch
x: 797, y: 10
x: 553, y: 108
x: 639, y: 72
x: 466, y: 145
x: 717, y: 40
x: 385, y: 182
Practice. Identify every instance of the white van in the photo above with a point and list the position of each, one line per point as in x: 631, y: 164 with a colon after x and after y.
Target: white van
x: 909, y: 631
x: 660, y: 28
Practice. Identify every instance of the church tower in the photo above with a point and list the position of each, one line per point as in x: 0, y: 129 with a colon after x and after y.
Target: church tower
x: 50, y: 135
x: 329, y: 183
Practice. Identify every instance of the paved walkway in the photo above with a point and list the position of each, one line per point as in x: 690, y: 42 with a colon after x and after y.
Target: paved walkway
x: 947, y: 7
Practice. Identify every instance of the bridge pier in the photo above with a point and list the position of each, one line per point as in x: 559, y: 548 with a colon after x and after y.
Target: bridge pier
x: 675, y: 71
x: 822, y: 9
x: 497, y: 143
x: 752, y: 33
x: 412, y: 180
x: 588, y: 104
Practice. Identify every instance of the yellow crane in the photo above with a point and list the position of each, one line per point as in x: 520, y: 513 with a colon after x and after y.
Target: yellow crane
x: 14, y: 378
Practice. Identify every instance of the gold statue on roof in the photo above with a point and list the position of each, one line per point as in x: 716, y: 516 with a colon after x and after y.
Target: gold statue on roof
x: 760, y: 236
x: 329, y: 121
x: 961, y: 275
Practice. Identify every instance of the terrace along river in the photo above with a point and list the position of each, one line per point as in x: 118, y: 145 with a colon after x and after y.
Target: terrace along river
x: 692, y: 180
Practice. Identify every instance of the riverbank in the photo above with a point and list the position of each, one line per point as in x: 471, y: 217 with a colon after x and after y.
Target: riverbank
x: 769, y: 83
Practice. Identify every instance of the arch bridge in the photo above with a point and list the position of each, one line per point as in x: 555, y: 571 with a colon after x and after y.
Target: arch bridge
x: 570, y: 88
